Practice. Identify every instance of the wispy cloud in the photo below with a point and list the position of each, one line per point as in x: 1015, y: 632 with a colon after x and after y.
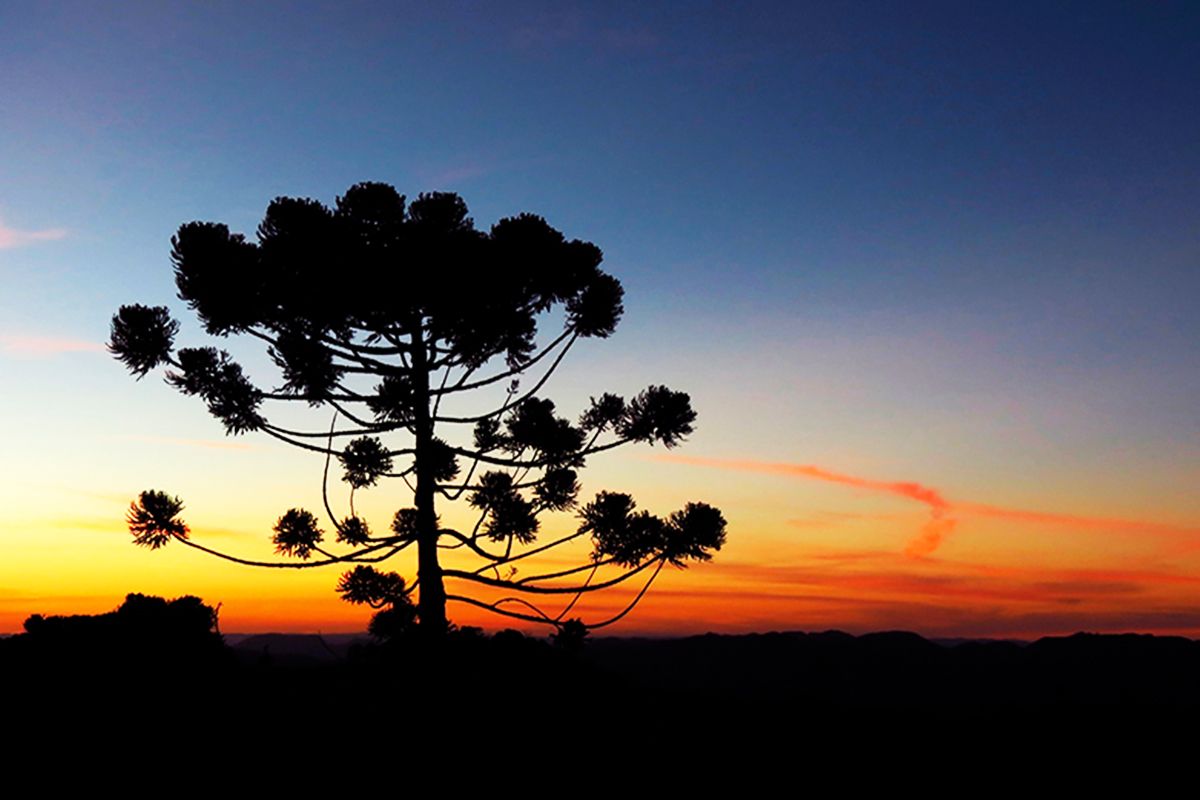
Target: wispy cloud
x: 943, y: 514
x: 14, y: 237
x: 116, y: 525
x: 992, y: 613
x: 1054, y: 518
x: 451, y: 176
x: 45, y: 346
x: 976, y: 593
x: 932, y: 533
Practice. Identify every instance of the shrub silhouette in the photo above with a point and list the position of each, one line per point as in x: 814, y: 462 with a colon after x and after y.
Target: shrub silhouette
x: 143, y: 631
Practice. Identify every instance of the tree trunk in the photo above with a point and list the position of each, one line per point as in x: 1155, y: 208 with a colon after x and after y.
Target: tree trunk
x: 431, y: 602
x: 431, y: 605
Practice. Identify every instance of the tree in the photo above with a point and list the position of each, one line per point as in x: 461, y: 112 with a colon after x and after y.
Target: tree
x: 388, y: 313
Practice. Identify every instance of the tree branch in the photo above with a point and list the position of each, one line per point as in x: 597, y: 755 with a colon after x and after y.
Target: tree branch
x: 636, y: 600
x: 544, y: 619
x: 470, y: 542
x: 461, y: 386
x: 452, y: 496
x: 396, y: 349
x: 308, y: 398
x: 332, y: 434
x: 271, y: 430
x: 508, y: 462
x: 551, y: 575
x: 325, y: 476
x: 352, y: 557
x: 503, y: 584
x: 514, y: 403
x: 575, y: 599
x: 367, y: 365
x: 381, y: 427
x: 540, y: 549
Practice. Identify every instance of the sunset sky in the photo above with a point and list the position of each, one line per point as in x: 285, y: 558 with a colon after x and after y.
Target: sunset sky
x: 930, y: 273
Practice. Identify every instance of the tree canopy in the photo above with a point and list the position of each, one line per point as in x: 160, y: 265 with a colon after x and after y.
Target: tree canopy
x: 386, y: 313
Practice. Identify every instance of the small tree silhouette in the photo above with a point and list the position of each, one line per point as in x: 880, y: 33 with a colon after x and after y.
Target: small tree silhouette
x: 388, y: 314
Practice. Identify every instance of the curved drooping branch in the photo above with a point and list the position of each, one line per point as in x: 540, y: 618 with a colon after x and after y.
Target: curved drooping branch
x: 470, y: 543
x: 633, y: 603
x: 543, y: 618
x: 503, y: 584
x: 452, y: 493
x: 397, y: 348
x: 499, y: 560
x: 462, y: 386
x: 310, y: 398
x: 511, y: 404
x: 356, y: 557
x: 325, y: 477
x: 337, y: 434
x: 535, y: 463
x: 546, y: 576
x: 273, y: 432
x: 378, y: 427
x: 440, y: 392
x: 567, y: 608
x: 362, y: 364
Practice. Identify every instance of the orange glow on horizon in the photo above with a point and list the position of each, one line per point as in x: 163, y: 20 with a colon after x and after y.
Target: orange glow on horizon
x: 857, y: 568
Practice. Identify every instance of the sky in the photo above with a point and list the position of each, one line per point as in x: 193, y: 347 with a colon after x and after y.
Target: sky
x: 929, y: 272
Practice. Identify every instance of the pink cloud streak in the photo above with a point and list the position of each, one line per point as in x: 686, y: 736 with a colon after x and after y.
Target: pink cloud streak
x: 941, y: 523
x: 42, y: 346
x: 13, y: 237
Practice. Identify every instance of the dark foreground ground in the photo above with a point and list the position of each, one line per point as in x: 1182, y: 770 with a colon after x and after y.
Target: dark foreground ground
x: 755, y: 678
x: 152, y: 683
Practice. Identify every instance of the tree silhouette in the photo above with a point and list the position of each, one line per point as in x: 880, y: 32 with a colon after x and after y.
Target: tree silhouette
x: 388, y: 314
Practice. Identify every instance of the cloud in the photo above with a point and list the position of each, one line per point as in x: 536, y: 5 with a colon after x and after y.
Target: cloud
x: 13, y: 237
x: 913, y: 491
x: 943, y: 514
x: 932, y: 533
x: 1053, y: 518
x: 45, y: 346
x: 882, y: 590
x: 116, y: 525
x: 453, y: 175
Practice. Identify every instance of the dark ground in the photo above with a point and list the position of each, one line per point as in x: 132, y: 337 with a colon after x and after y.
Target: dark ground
x: 829, y: 675
x: 152, y: 683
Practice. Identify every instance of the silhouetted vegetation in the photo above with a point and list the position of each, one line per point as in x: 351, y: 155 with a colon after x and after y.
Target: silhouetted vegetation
x: 145, y: 636
x: 416, y: 330
x: 152, y: 655
x: 903, y: 670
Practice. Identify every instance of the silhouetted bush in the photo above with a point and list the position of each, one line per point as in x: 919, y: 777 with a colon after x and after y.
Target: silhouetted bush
x: 146, y: 639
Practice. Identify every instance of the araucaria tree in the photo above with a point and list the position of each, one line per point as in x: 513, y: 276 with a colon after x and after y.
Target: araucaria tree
x: 417, y: 333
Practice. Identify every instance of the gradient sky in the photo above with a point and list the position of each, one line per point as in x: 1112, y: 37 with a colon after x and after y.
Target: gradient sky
x: 929, y: 272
